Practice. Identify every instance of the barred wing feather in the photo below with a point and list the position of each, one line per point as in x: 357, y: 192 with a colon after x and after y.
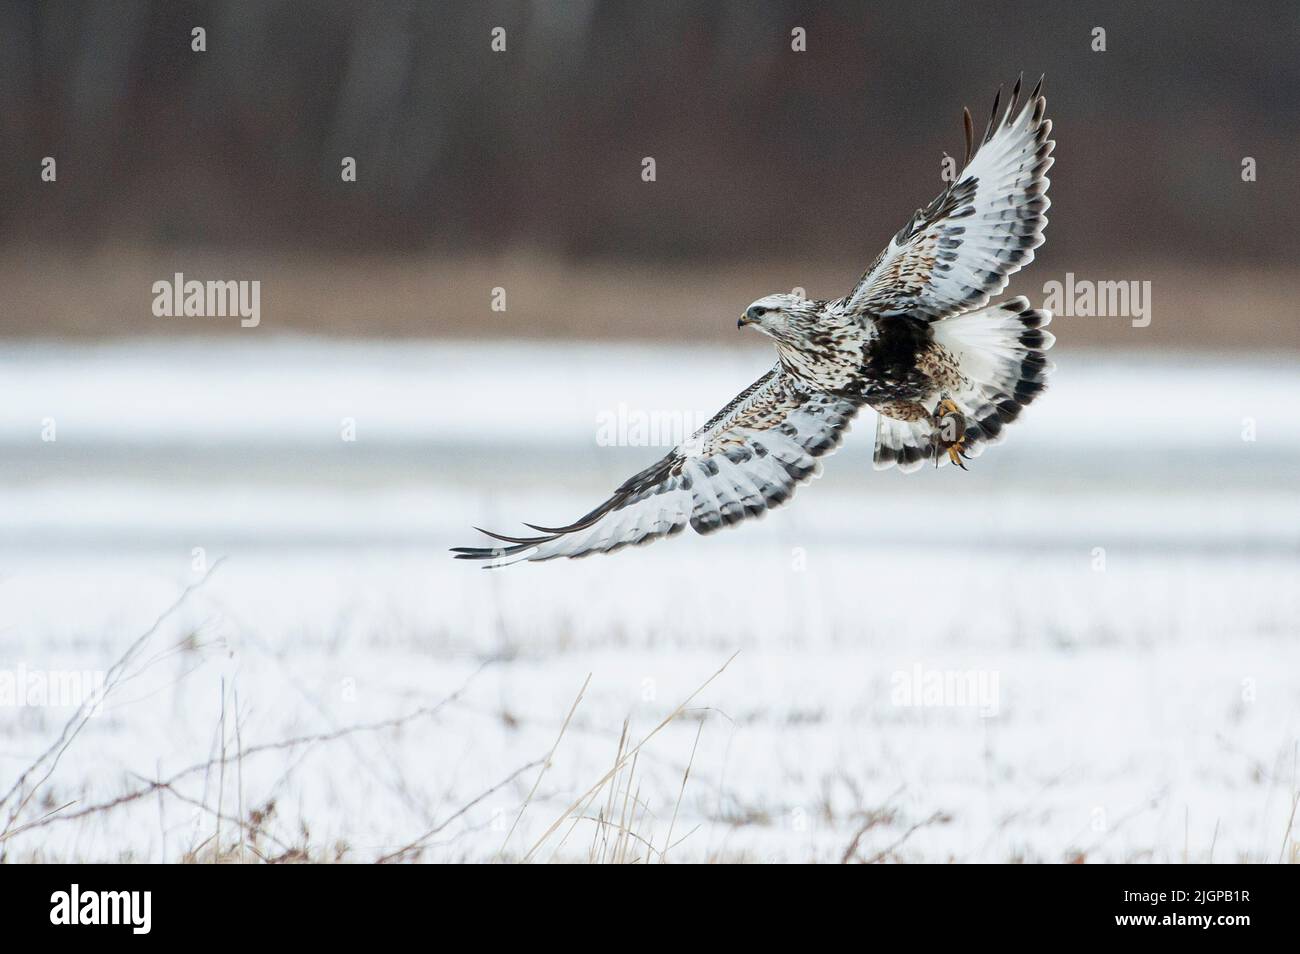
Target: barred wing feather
x: 962, y: 248
x: 747, y: 460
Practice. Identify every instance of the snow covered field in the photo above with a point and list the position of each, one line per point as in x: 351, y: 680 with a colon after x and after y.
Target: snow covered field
x: 1085, y: 647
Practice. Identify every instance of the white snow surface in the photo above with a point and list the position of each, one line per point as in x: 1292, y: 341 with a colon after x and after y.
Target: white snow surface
x: 1120, y: 574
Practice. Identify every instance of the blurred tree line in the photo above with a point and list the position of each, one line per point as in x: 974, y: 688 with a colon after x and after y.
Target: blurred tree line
x: 759, y: 149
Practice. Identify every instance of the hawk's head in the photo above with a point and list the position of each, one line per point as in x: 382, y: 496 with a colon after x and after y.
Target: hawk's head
x: 783, y: 317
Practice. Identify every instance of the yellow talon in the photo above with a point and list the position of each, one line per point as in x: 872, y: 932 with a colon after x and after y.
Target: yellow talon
x: 948, y: 408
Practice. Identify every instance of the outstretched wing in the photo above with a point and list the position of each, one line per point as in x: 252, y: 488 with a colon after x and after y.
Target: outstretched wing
x: 963, y: 247
x: 744, y: 462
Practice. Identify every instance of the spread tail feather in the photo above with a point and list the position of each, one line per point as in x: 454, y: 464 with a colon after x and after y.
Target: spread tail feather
x: 1000, y: 350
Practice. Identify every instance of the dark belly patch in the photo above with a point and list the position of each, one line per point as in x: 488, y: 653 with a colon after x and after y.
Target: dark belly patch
x: 890, y: 361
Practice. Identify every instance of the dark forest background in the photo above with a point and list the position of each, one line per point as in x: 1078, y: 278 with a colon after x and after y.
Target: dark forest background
x: 522, y: 169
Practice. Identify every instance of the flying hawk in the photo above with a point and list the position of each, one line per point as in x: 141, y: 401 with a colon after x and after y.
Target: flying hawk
x: 915, y: 340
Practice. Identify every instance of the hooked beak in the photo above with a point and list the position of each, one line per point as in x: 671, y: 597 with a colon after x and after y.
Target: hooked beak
x: 753, y: 315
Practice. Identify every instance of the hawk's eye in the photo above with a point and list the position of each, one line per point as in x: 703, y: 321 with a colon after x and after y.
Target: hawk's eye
x: 760, y: 311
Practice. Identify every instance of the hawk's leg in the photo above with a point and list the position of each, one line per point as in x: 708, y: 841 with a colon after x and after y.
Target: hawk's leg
x: 948, y: 432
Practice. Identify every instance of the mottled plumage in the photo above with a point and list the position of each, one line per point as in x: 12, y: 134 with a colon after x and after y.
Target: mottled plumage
x: 913, y: 340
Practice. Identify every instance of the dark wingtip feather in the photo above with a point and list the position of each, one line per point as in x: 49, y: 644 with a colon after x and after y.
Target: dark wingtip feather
x: 993, y: 116
x: 524, y: 541
x: 489, y: 553
x: 477, y: 553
